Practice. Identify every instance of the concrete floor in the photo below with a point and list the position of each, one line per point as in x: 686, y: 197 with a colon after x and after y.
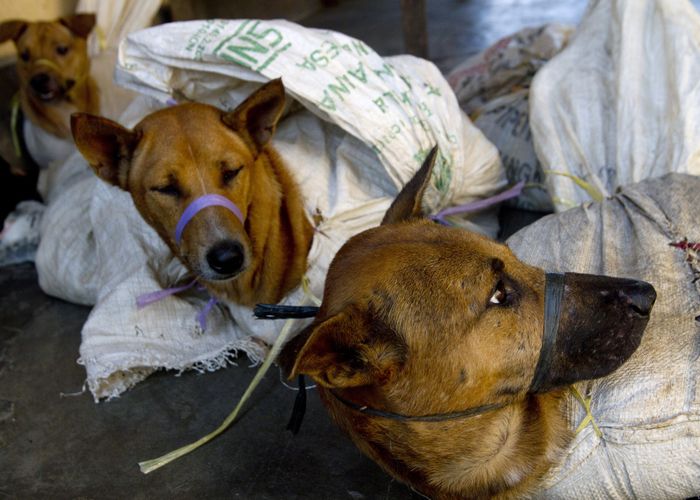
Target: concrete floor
x: 55, y: 446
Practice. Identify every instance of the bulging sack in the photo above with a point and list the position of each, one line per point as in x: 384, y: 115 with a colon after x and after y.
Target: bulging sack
x: 621, y: 102
x: 398, y: 107
x: 648, y: 411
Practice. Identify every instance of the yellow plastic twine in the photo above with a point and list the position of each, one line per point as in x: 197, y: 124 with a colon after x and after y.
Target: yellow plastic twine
x: 586, y: 403
x: 591, y: 190
x: 14, y: 123
x: 156, y: 463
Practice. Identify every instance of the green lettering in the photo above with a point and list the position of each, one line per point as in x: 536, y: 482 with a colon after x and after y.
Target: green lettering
x: 359, y: 73
x: 327, y: 101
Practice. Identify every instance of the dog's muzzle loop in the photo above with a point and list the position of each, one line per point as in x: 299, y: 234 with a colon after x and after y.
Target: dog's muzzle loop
x: 204, y: 201
x: 553, y: 295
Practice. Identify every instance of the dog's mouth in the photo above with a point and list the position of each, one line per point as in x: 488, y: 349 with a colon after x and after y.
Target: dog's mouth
x: 49, y: 95
x: 599, y: 325
x: 46, y: 87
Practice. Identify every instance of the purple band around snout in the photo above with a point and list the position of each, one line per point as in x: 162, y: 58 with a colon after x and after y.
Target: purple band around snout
x: 207, y: 200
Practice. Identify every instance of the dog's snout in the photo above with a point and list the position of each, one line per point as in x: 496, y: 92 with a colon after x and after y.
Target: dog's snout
x: 45, y: 86
x: 40, y: 82
x: 639, y: 297
x: 226, y: 257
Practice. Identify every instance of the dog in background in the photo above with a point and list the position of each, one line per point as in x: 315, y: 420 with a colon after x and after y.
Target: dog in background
x: 54, y: 70
x: 428, y: 342
x: 180, y: 154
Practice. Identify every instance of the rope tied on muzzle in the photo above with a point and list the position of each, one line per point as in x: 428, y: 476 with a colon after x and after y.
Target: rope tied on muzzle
x: 554, y: 293
x: 199, y: 204
x: 553, y: 296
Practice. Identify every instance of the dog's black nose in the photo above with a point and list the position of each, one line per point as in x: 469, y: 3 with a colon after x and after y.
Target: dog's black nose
x: 226, y: 257
x: 639, y: 296
x: 40, y: 82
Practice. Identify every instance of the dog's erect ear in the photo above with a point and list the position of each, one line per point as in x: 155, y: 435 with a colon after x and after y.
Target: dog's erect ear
x: 12, y: 30
x: 346, y: 350
x: 256, y: 118
x: 106, y: 145
x: 80, y: 24
x: 407, y: 204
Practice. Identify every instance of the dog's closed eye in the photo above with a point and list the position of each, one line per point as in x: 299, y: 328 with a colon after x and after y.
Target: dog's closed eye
x: 170, y: 189
x: 228, y: 173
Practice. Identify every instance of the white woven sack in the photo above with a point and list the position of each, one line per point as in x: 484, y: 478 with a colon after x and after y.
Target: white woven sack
x: 648, y: 410
x: 621, y: 103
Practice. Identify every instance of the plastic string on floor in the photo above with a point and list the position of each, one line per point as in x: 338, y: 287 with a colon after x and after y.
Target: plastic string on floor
x: 151, y: 465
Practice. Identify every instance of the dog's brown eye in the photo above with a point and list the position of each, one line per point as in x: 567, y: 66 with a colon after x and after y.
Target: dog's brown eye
x: 24, y: 55
x: 169, y: 190
x: 499, y: 294
x: 228, y: 175
x: 62, y: 50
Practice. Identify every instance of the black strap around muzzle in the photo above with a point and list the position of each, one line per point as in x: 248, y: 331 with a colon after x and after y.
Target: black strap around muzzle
x: 553, y: 295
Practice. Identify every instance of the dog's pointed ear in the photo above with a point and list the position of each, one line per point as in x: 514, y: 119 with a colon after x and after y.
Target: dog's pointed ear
x: 256, y: 118
x: 79, y: 24
x: 12, y: 30
x: 106, y: 145
x: 407, y: 204
x: 347, y: 350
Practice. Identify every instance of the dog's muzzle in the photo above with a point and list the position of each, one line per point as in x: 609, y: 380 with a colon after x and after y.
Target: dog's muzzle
x: 45, y: 86
x: 592, y: 325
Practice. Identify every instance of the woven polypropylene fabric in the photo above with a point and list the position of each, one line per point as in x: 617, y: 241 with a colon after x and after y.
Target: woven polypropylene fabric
x: 649, y: 409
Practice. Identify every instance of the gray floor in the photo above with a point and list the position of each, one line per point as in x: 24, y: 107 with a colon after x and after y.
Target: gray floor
x: 54, y: 446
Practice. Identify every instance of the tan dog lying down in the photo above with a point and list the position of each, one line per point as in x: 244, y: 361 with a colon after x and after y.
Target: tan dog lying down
x: 253, y: 252
x: 429, y: 351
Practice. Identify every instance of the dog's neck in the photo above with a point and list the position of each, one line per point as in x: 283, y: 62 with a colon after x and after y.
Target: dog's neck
x: 279, y: 231
x: 500, y: 454
x: 54, y: 116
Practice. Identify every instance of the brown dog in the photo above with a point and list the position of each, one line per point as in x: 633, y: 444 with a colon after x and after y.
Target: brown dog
x: 54, y: 70
x: 179, y: 154
x: 429, y: 351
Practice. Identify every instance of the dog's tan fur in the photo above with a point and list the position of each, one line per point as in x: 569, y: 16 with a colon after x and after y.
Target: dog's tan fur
x: 180, y: 153
x: 357, y: 352
x: 408, y: 325
x: 57, y: 49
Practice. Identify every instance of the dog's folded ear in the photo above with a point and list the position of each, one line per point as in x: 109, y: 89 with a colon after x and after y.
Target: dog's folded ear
x: 256, y: 118
x: 349, y: 350
x: 12, y: 30
x: 106, y: 145
x: 80, y: 24
x: 408, y: 203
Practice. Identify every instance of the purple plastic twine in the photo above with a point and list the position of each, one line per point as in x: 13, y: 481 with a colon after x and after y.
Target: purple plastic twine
x: 474, y: 206
x: 149, y: 298
x: 204, y: 201
x: 202, y: 315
